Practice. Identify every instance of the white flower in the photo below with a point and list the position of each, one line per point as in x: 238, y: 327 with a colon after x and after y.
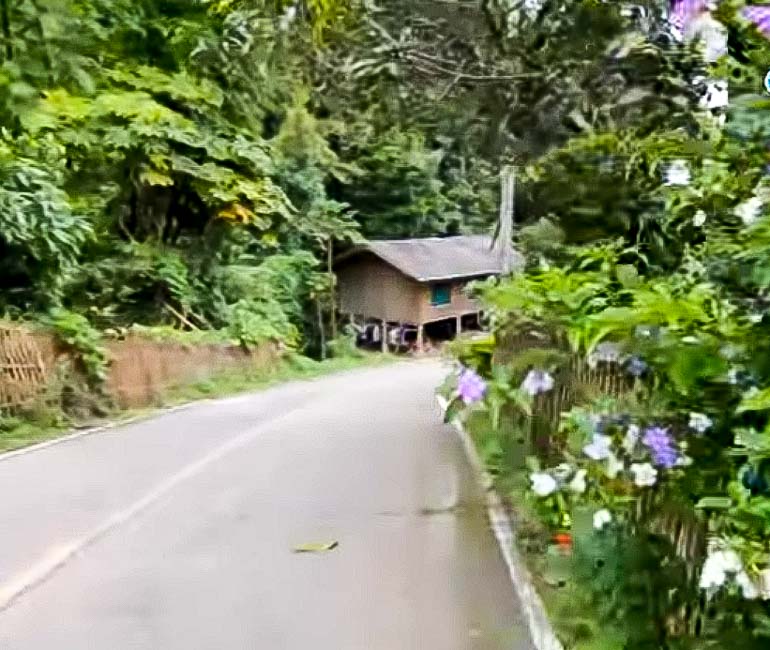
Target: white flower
x: 631, y: 439
x: 712, y: 576
x: 723, y: 564
x: 606, y: 352
x: 683, y: 461
x: 711, y: 33
x: 756, y: 318
x: 614, y: 466
x: 700, y: 422
x: 531, y: 7
x: 764, y: 584
x: 288, y: 17
x: 537, y: 381
x: 730, y: 560
x: 716, y: 96
x: 748, y: 211
x: 699, y: 219
x: 645, y: 475
x: 578, y: 483
x: 562, y: 472
x: 599, y: 449
x: 602, y: 518
x: 732, y: 376
x: 543, y: 484
x: 748, y: 588
x: 718, y: 565
x: 677, y: 173
x: 729, y: 351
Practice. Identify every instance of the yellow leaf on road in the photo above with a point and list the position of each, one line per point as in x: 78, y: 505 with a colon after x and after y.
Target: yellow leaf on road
x: 321, y: 547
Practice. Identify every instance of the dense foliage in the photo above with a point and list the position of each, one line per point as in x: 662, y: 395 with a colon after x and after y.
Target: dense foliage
x: 630, y: 361
x: 196, y: 164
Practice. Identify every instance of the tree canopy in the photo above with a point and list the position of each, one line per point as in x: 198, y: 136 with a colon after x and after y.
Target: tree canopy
x: 157, y: 158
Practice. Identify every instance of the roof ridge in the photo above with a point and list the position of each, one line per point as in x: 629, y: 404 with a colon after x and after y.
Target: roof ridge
x: 412, y: 240
x: 432, y: 258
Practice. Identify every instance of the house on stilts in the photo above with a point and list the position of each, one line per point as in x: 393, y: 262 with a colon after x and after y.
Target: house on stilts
x: 418, y: 286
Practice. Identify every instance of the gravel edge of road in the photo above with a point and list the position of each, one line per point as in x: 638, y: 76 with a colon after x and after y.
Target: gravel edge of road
x: 540, y: 629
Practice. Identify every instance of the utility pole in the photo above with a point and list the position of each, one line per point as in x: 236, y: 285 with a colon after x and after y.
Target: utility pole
x: 503, y: 244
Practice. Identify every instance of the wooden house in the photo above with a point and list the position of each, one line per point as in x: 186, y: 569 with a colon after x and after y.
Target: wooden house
x: 415, y: 283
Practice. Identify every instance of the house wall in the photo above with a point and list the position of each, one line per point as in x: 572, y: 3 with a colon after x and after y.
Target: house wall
x: 374, y: 289
x: 461, y: 304
x: 371, y: 288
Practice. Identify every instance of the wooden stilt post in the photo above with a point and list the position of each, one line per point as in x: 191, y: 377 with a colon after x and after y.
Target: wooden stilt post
x: 420, y: 338
x: 384, y: 334
x: 459, y: 329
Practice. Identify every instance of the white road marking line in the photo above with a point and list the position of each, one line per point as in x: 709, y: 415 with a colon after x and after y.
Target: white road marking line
x: 60, y: 556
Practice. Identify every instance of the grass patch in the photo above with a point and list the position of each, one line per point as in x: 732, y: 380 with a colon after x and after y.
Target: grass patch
x: 16, y: 433
x: 41, y: 423
x: 294, y: 367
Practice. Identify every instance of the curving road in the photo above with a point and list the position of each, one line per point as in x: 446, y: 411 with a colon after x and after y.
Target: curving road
x: 175, y: 533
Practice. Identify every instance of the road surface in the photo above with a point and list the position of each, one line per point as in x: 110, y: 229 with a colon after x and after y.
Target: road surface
x: 176, y: 533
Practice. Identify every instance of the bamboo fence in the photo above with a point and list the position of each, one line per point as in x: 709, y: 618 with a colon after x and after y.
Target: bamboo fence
x: 656, y: 513
x: 22, y: 370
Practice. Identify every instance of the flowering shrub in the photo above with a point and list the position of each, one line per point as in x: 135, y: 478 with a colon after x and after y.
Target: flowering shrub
x: 470, y: 386
x: 686, y: 430
x: 628, y: 407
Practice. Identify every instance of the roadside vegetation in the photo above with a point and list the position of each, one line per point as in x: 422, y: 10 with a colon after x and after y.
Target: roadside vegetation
x: 622, y: 401
x: 46, y: 419
x: 187, y: 170
x: 194, y: 166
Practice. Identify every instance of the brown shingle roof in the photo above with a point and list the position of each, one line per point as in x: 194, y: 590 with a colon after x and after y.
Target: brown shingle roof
x: 440, y: 258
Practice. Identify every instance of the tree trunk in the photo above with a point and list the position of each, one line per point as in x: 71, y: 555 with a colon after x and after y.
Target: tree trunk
x: 332, y: 297
x: 44, y: 46
x: 5, y: 23
x: 321, y: 327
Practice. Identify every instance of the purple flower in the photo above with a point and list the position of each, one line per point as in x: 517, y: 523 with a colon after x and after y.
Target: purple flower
x: 637, y: 367
x: 536, y: 382
x: 658, y: 440
x: 683, y: 12
x: 760, y: 16
x: 471, y: 386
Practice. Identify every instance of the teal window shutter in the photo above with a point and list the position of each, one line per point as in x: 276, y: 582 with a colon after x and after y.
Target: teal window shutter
x: 440, y: 294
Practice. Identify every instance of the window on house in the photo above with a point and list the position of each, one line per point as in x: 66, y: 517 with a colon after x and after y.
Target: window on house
x: 440, y: 294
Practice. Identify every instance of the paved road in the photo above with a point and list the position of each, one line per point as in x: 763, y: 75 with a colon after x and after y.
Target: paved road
x: 175, y: 533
